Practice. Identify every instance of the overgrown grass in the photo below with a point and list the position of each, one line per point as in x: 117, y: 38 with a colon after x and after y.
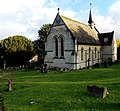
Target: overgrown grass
x: 35, y: 91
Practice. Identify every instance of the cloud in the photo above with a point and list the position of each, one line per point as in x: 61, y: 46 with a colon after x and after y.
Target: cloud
x: 110, y: 22
x: 21, y: 16
x: 25, y: 17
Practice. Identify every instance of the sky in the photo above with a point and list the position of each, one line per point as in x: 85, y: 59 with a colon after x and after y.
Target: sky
x: 25, y: 17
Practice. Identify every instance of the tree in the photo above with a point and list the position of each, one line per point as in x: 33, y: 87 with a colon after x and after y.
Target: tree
x: 118, y: 49
x: 43, y: 32
x: 17, y: 50
x: 2, y: 53
x: 39, y: 44
x: 17, y: 43
x: 118, y: 43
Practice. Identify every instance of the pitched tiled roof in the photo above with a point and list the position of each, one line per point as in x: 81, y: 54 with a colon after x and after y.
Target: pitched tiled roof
x: 106, y: 38
x: 83, y: 33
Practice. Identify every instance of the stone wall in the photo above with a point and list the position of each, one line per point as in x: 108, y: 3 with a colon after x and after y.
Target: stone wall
x: 88, y: 55
x: 67, y: 60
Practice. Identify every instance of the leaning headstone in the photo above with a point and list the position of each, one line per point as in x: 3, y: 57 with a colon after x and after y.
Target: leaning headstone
x: 10, y: 82
x: 97, y: 91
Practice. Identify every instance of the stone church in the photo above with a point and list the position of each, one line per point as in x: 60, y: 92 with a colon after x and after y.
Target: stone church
x: 75, y: 45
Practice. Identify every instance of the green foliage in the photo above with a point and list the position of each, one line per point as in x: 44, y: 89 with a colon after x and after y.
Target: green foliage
x: 16, y: 50
x: 17, y: 43
x: 2, y: 52
x: 2, y: 108
x: 118, y: 43
x: 43, y: 32
x: 39, y: 45
x: 118, y: 49
x: 35, y: 91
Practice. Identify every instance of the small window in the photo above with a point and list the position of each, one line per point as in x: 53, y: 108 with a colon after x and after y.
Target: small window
x: 106, y: 39
x: 89, y: 53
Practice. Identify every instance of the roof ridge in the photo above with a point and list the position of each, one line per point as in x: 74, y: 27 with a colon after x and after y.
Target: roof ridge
x: 73, y: 20
x: 81, y: 31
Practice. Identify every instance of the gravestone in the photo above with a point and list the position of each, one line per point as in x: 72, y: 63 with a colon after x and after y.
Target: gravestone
x: 10, y: 82
x: 97, y: 91
x: 44, y: 68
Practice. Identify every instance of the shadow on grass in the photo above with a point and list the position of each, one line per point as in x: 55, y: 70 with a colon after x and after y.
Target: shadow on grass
x: 93, y: 103
x: 103, y: 106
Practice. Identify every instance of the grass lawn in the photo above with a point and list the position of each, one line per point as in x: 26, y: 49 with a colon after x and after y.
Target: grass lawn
x: 35, y: 91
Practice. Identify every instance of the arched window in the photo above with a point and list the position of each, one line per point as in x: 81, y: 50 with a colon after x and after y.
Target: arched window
x: 62, y: 47
x: 95, y: 52
x: 89, y: 53
x: 82, y: 53
x: 100, y: 52
x: 56, y: 47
